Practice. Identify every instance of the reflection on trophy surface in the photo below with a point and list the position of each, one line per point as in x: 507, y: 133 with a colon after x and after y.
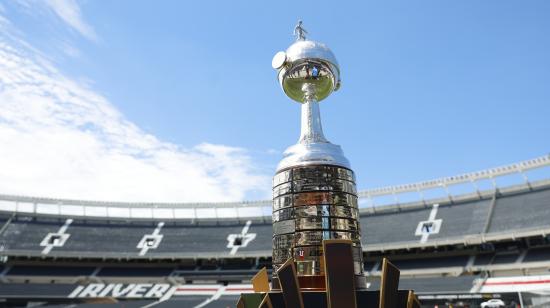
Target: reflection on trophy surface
x: 314, y: 191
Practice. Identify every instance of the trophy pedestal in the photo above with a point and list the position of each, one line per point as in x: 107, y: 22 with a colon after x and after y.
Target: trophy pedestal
x: 318, y: 299
x: 341, y: 291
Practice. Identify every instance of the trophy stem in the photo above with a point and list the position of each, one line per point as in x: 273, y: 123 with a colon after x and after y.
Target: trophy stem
x: 311, y: 130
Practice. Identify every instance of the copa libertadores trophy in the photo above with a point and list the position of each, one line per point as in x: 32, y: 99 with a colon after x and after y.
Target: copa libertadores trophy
x: 314, y: 192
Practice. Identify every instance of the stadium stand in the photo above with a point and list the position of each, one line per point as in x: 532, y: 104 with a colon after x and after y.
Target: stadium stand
x: 25, y: 233
x: 434, y: 262
x: 466, y: 218
x: 537, y: 255
x: 452, y: 243
x: 34, y: 270
x: 462, y: 284
x: 527, y: 210
x: 135, y: 271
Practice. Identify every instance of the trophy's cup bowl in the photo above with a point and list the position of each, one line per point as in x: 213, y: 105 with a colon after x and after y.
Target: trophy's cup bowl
x: 307, y: 71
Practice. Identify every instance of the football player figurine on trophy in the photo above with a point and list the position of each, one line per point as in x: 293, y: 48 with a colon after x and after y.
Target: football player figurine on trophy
x: 314, y: 193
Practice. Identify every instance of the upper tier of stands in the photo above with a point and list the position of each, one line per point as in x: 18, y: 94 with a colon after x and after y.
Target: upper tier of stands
x: 516, y: 212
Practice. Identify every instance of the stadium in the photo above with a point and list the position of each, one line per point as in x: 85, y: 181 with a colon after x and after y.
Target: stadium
x: 146, y: 157
x: 459, y: 241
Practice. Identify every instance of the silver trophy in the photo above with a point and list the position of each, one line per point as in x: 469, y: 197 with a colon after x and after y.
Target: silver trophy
x: 314, y: 191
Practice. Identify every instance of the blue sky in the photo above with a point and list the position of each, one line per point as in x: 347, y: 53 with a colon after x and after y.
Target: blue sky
x: 430, y: 89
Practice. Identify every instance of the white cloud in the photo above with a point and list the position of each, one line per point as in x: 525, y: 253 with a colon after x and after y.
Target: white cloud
x: 69, y: 12
x: 69, y: 49
x: 59, y: 138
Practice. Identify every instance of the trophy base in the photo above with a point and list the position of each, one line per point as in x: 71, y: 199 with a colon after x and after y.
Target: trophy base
x: 341, y: 290
x: 316, y: 299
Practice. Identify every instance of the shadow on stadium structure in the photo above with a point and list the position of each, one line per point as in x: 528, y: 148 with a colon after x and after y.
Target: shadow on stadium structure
x: 460, y: 249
